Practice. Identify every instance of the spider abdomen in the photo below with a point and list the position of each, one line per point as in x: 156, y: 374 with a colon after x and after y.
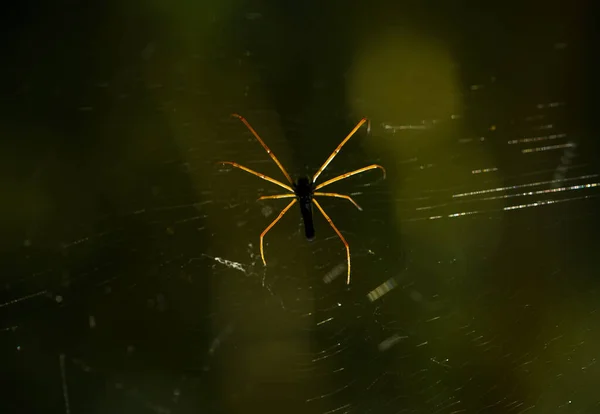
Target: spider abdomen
x: 306, y: 211
x: 303, y: 189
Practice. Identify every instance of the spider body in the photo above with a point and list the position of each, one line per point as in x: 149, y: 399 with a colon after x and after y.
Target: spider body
x: 305, y: 190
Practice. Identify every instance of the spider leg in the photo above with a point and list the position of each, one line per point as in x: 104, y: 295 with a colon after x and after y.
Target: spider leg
x: 273, y: 197
x: 339, y: 234
x: 262, y: 235
x: 349, y: 174
x: 241, y: 118
x: 339, y: 196
x: 264, y: 177
x: 339, y: 147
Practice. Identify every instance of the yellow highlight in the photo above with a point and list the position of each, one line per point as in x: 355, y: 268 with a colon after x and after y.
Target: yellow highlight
x: 402, y: 76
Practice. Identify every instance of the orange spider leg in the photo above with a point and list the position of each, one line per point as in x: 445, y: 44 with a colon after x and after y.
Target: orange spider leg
x: 339, y: 234
x: 349, y: 174
x: 241, y: 118
x: 274, y: 197
x: 262, y: 254
x: 339, y: 196
x: 264, y: 177
x: 339, y: 147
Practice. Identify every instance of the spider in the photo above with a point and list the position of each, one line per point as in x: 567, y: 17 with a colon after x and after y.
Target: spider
x: 305, y: 189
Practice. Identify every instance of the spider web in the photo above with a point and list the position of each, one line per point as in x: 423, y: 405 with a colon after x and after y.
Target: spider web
x: 132, y: 275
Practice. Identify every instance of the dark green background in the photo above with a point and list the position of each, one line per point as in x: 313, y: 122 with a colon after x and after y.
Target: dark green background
x: 116, y: 221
